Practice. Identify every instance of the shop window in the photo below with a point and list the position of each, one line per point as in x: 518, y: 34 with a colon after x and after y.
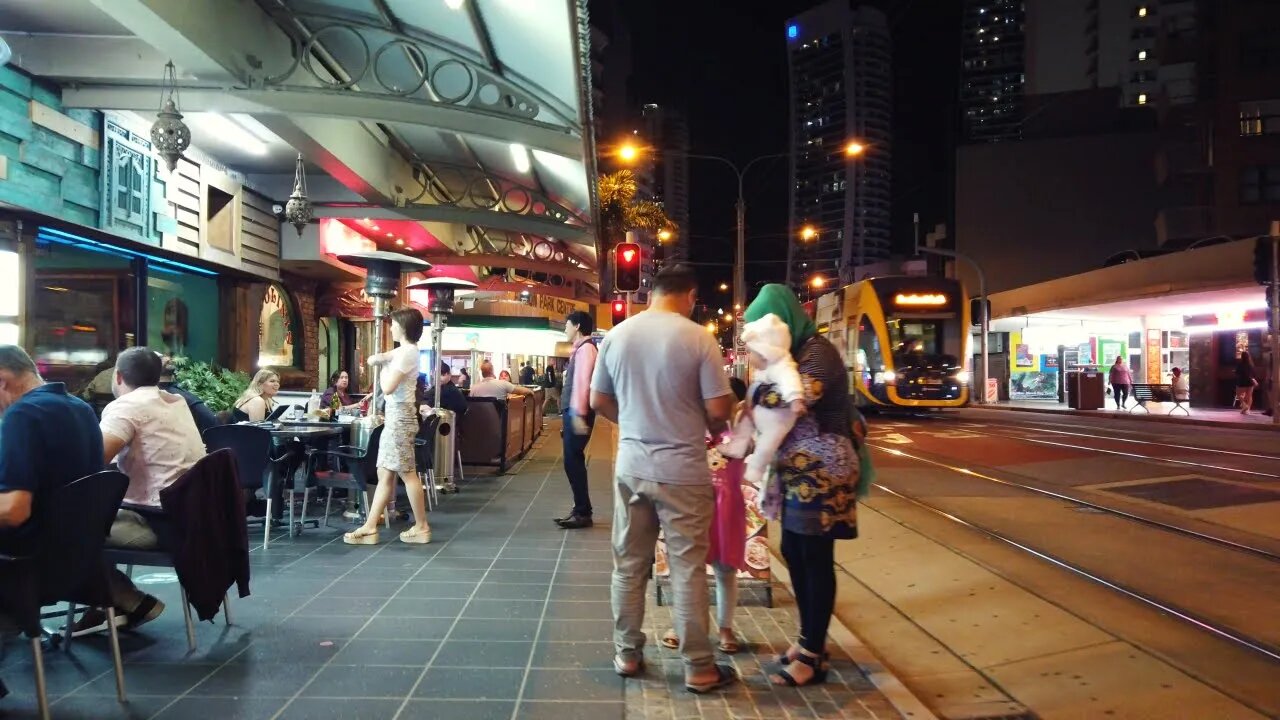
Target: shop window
x: 10, y: 271
x: 130, y: 180
x: 182, y: 314
x: 277, y: 329
x: 1260, y: 117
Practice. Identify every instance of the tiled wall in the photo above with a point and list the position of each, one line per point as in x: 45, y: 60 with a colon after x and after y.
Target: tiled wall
x: 49, y: 156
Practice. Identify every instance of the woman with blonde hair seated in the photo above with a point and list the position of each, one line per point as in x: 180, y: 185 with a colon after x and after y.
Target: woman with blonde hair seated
x: 258, y: 399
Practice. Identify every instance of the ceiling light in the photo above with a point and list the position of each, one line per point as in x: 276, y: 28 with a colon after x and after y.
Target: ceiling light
x: 521, y: 157
x: 255, y: 128
x: 231, y: 133
x: 454, y: 4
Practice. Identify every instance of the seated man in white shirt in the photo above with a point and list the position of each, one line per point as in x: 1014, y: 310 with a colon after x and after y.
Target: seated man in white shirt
x: 491, y: 387
x: 1181, y: 388
x: 151, y: 436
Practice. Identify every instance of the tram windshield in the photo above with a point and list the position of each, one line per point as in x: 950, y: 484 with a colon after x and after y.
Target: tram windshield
x: 917, y: 342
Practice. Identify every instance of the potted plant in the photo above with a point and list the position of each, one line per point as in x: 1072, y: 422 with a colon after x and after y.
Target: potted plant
x: 219, y: 388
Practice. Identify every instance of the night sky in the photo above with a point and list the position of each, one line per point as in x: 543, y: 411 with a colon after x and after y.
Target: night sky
x: 724, y: 63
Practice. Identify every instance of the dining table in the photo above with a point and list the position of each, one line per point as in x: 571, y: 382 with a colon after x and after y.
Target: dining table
x: 295, y: 438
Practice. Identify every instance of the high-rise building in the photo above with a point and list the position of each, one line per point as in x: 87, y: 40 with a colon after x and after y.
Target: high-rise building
x: 839, y: 63
x: 665, y: 178
x: 992, y: 69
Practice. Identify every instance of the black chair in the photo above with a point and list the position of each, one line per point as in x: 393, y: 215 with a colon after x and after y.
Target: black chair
x: 424, y: 450
x: 258, y: 469
x: 74, y: 522
x: 162, y: 558
x: 354, y: 469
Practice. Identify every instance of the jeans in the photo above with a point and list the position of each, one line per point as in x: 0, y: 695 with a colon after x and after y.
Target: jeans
x: 1121, y: 393
x: 812, y: 564
x: 683, y: 512
x: 726, y: 594
x: 575, y: 467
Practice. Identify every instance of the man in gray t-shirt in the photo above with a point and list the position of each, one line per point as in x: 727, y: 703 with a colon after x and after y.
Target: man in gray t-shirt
x: 661, y: 378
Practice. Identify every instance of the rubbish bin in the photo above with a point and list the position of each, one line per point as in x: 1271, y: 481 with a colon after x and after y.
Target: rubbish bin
x: 446, y: 444
x: 1093, y: 392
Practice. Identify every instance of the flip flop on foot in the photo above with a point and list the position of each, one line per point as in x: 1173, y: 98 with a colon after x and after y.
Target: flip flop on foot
x: 671, y: 640
x: 725, y: 676
x: 628, y: 668
x: 729, y: 642
x: 361, y: 536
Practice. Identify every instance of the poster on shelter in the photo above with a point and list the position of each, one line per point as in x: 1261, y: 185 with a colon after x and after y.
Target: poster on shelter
x: 1023, y: 357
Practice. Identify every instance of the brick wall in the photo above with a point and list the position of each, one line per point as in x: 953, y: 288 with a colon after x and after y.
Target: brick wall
x: 303, y: 293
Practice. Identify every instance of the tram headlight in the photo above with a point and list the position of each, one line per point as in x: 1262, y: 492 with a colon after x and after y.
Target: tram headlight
x: 885, y: 376
x: 962, y: 377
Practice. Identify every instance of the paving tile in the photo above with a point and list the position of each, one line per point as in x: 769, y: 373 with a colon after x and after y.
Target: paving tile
x: 484, y: 654
x: 257, y: 680
x: 138, y: 708
x: 437, y: 589
x: 151, y: 679
x: 340, y: 709
x: 204, y: 708
x: 403, y: 607
x: 495, y: 630
x: 363, y: 589
x: 570, y: 684
x: 569, y: 710
x: 526, y: 577
x: 414, y: 653
x: 580, y: 592
x: 445, y: 709
x: 460, y: 683
x: 578, y: 630
x: 530, y: 609
x: 351, y: 606
x: 590, y: 655
x: 391, y: 628
x: 579, y: 610
x: 343, y: 681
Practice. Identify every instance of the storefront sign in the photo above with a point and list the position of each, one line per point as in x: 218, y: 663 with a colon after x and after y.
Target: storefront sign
x: 558, y: 308
x: 276, y: 331
x: 1023, y: 358
x: 1154, y: 371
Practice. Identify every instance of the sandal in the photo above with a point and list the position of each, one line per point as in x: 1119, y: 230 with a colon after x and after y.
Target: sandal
x: 416, y: 537
x: 784, y: 677
x: 725, y: 676
x: 626, y: 669
x: 671, y: 640
x: 361, y: 537
x: 730, y: 647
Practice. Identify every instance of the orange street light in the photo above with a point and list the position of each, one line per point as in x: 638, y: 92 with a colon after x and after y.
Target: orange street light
x: 724, y: 287
x: 817, y: 282
x: 628, y: 152
x: 664, y: 235
x: 711, y: 327
x: 854, y: 149
x: 808, y: 232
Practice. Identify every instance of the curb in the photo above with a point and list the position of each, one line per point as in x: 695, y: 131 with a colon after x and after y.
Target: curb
x: 1170, y: 420
x: 899, y: 695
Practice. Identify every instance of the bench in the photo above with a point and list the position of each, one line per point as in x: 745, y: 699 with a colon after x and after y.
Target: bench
x: 1144, y: 393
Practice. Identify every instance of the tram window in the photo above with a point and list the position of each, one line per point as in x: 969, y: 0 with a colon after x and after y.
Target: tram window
x: 869, y: 358
x: 909, y: 337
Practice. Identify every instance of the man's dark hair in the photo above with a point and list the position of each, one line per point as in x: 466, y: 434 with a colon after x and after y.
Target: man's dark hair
x: 17, y: 361
x: 445, y: 369
x: 739, y: 388
x: 411, y: 320
x: 675, y: 280
x: 583, y: 320
x: 139, y: 367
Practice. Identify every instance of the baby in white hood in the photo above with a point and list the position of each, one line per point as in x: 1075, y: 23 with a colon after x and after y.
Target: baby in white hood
x: 769, y: 342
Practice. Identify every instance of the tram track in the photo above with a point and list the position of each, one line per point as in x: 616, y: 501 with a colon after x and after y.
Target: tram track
x: 1263, y: 651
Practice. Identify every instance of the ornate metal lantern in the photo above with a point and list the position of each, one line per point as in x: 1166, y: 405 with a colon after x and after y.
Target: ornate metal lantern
x: 299, y: 211
x: 169, y: 135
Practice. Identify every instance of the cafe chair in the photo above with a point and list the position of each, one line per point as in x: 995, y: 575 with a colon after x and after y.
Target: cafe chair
x: 424, y: 447
x: 354, y: 469
x: 74, y: 523
x: 252, y: 448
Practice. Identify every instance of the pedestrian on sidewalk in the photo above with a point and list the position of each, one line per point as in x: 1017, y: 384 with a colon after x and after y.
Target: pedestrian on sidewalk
x: 818, y: 470
x: 661, y: 378
x: 728, y: 541
x: 1246, y: 382
x: 578, y: 417
x: 1121, y: 380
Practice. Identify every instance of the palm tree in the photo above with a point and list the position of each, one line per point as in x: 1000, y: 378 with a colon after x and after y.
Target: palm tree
x: 620, y: 211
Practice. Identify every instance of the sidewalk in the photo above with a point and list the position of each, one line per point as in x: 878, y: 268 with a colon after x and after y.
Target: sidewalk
x: 503, y: 616
x: 1215, y: 417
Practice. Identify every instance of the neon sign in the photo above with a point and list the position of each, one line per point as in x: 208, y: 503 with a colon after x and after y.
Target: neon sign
x: 920, y: 299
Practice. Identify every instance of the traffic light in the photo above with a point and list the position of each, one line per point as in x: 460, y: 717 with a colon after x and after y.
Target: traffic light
x: 976, y: 306
x: 1263, y: 248
x: 626, y: 267
x: 619, y: 311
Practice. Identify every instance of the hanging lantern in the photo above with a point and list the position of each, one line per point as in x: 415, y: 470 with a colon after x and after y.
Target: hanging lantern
x: 169, y: 135
x: 299, y: 211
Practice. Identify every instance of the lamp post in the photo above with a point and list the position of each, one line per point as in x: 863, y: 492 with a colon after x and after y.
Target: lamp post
x: 630, y: 153
x: 984, y: 321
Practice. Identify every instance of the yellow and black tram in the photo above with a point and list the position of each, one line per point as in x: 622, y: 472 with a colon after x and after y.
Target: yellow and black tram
x: 905, y: 340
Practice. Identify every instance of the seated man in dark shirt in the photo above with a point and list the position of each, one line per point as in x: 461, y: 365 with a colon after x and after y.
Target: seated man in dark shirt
x: 451, y: 398
x: 47, y: 439
x: 204, y: 417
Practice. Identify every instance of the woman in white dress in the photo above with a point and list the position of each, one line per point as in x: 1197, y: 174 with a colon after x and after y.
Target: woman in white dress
x: 399, y: 380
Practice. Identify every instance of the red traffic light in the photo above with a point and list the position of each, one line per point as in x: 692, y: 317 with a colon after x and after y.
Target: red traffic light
x: 626, y: 261
x: 619, y: 306
x: 619, y: 311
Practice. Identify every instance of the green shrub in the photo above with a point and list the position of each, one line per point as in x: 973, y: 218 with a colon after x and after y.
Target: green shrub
x: 219, y: 388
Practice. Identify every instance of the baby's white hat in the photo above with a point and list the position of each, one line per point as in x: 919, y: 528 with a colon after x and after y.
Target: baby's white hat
x: 768, y: 336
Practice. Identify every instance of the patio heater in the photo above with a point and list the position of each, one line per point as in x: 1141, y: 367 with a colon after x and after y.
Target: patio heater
x: 441, y: 293
x: 381, y: 282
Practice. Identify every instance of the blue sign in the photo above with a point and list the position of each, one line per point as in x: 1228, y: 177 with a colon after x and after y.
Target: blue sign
x: 792, y: 31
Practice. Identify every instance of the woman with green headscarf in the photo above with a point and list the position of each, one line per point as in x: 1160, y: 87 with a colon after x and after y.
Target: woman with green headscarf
x: 817, y: 467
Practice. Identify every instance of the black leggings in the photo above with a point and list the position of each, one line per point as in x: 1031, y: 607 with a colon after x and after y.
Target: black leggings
x: 1121, y: 394
x: 812, y: 564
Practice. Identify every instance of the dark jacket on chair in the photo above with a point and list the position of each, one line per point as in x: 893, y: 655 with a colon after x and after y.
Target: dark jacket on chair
x: 211, y: 543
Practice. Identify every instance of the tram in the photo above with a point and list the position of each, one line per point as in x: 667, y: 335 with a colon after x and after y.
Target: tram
x: 905, y: 340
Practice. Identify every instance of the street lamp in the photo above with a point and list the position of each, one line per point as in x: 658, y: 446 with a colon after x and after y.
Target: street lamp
x: 724, y: 287
x: 854, y: 149
x: 664, y: 235
x: 808, y: 232
x: 817, y: 282
x: 628, y: 152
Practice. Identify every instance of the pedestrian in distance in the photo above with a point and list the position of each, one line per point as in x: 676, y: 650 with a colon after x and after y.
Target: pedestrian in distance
x: 1246, y: 382
x: 579, y: 419
x: 1121, y: 380
x: 661, y: 378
